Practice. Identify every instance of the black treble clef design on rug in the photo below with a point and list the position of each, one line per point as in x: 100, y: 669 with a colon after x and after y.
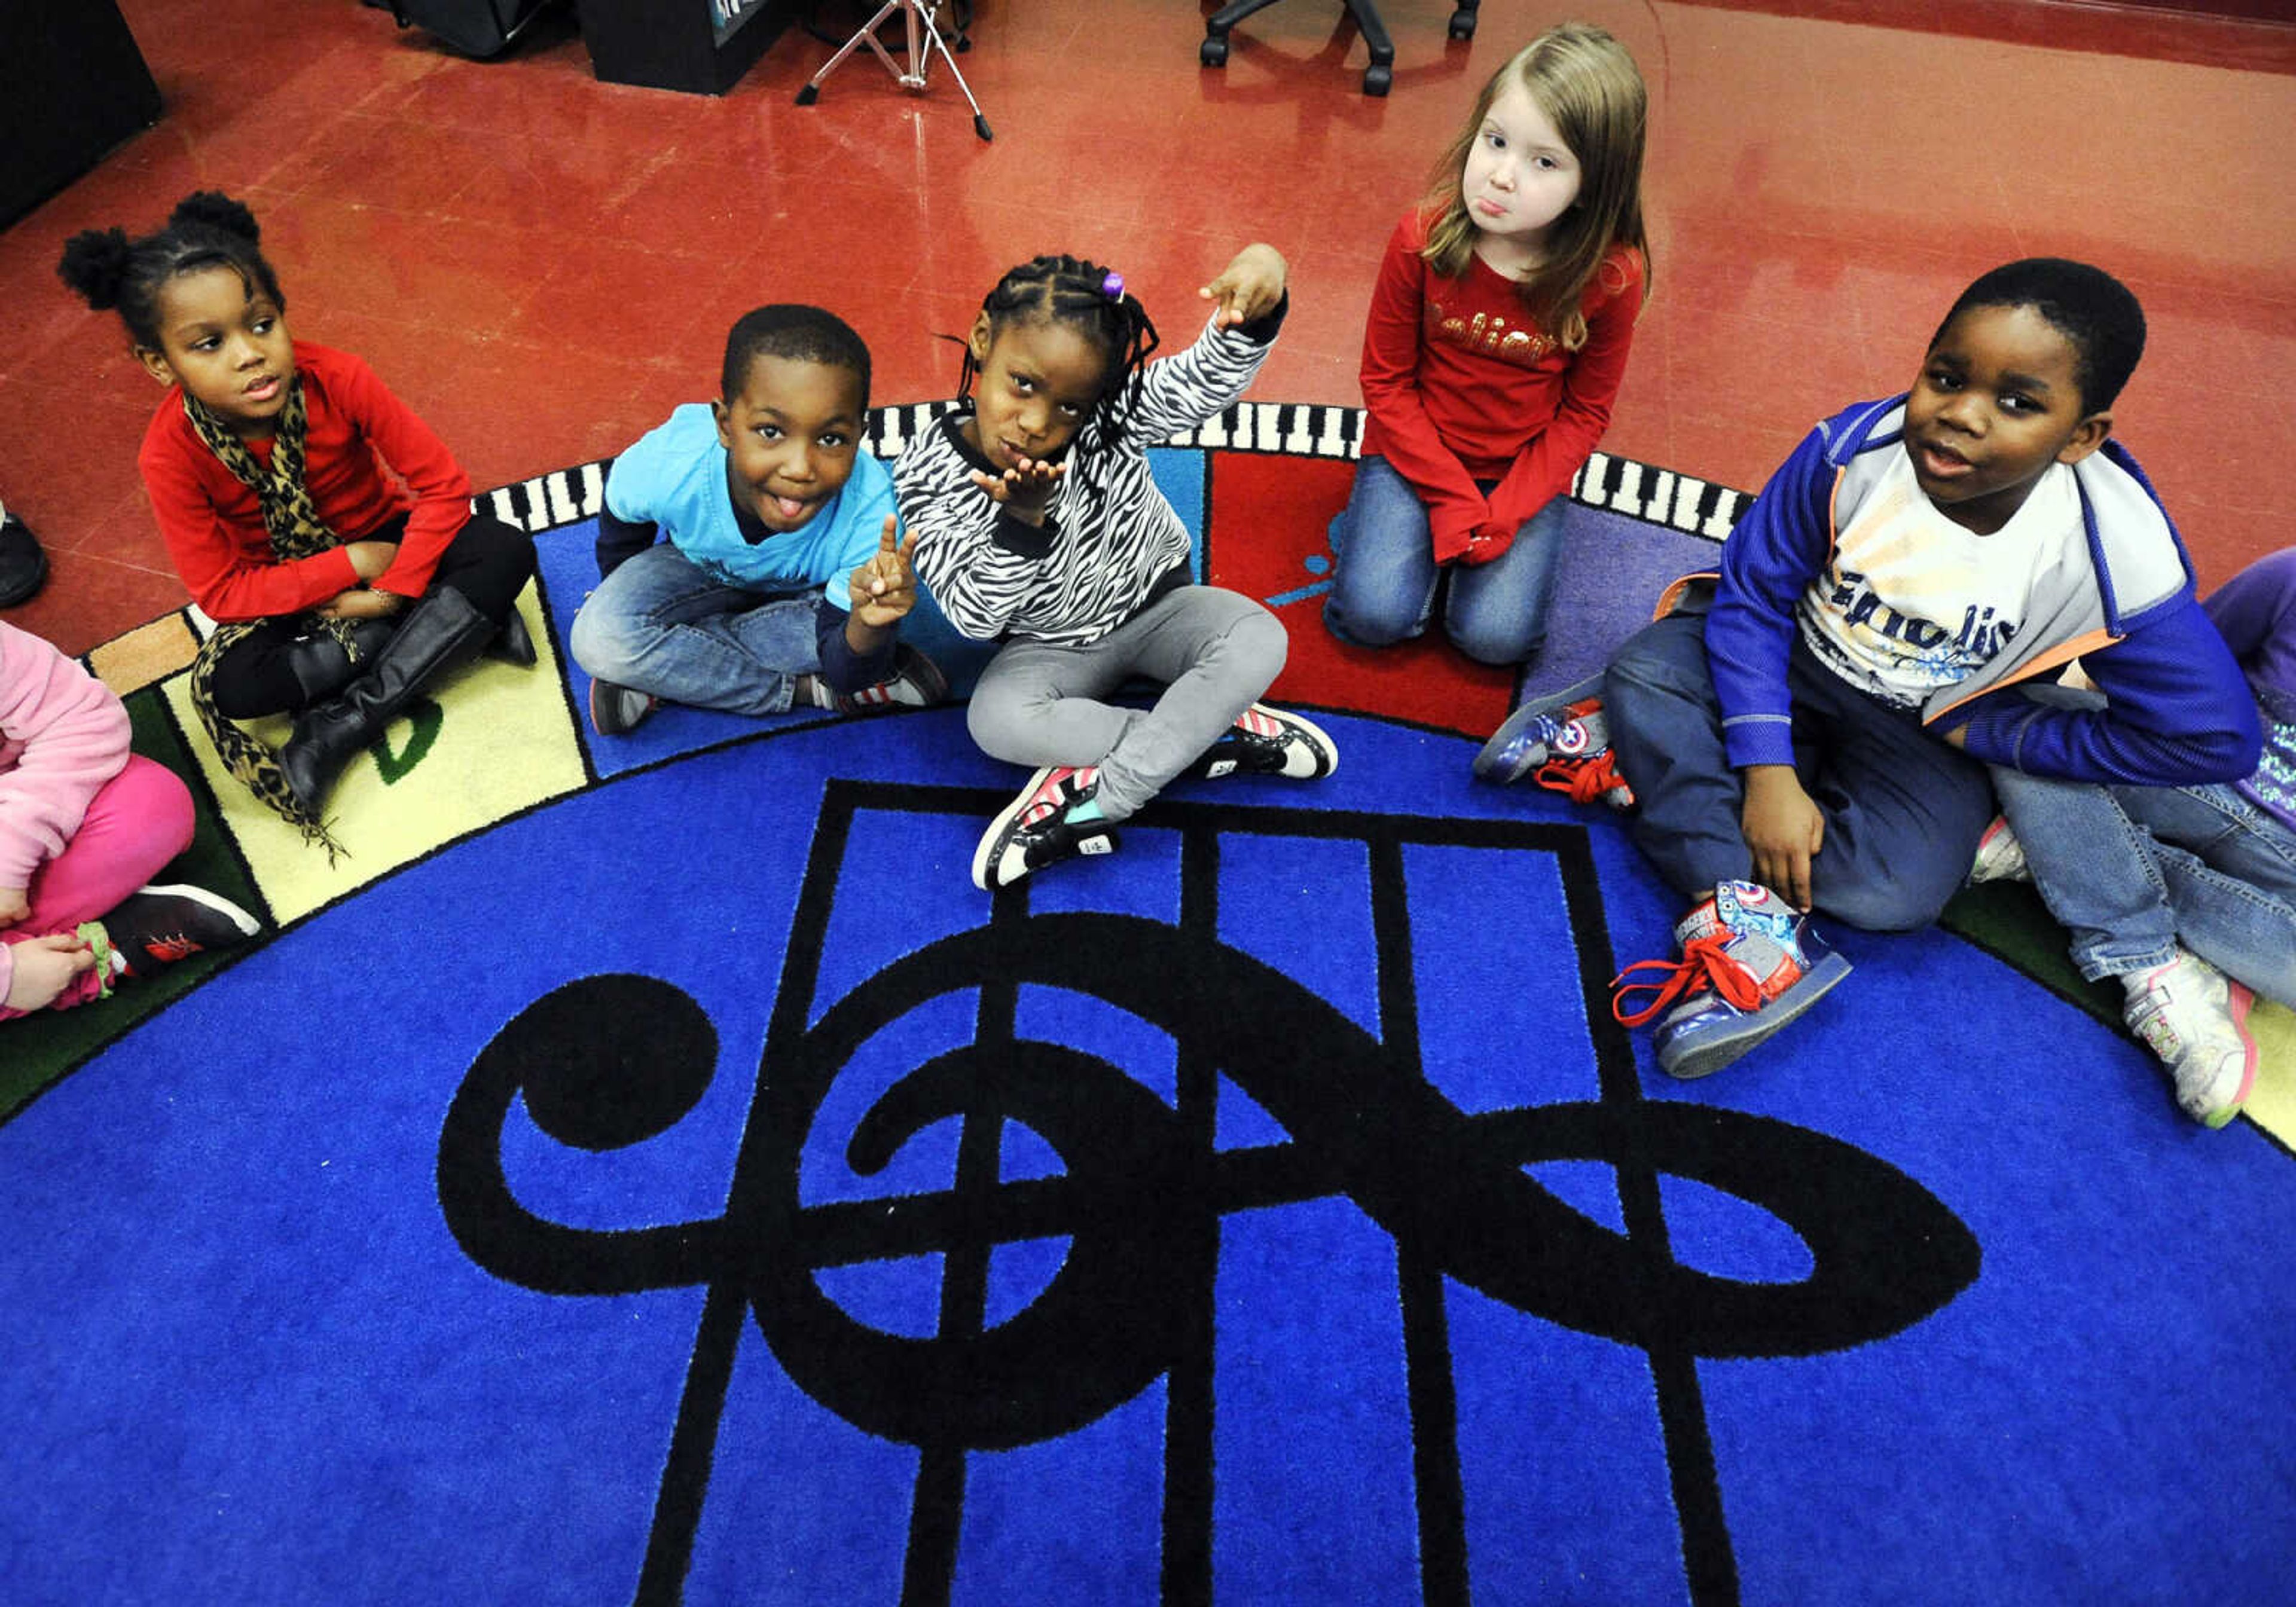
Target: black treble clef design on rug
x: 606, y: 1061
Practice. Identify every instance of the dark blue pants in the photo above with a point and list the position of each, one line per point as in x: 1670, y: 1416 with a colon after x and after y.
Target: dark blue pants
x: 1903, y: 811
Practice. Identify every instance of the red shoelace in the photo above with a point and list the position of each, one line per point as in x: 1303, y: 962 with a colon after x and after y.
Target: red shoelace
x: 1704, y: 965
x: 1582, y: 780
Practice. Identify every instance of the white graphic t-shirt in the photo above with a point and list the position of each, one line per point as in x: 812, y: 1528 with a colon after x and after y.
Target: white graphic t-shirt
x: 1913, y: 602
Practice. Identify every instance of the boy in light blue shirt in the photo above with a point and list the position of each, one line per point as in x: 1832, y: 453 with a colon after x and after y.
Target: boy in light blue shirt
x: 782, y: 582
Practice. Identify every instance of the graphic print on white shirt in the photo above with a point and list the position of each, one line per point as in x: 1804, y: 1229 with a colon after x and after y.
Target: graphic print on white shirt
x: 1912, y: 602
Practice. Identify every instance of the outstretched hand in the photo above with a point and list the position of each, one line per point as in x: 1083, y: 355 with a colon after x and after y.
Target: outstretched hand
x: 1248, y: 287
x: 885, y: 588
x: 1026, y: 489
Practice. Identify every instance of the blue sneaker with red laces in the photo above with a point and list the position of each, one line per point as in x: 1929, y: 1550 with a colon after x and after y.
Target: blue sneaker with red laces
x: 1562, y: 744
x: 1750, y: 965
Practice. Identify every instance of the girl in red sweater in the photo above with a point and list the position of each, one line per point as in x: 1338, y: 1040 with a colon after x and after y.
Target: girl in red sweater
x: 1499, y: 331
x: 338, y: 592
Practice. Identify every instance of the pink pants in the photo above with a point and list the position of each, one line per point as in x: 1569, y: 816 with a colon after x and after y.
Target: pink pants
x: 140, y: 820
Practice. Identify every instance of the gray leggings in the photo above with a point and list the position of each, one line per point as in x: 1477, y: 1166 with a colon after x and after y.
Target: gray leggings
x: 1037, y: 704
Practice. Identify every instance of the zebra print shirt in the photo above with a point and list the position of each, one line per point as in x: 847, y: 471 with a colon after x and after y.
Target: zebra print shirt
x: 1118, y: 537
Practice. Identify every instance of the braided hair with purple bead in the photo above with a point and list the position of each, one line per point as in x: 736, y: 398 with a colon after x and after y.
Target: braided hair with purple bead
x: 1089, y: 299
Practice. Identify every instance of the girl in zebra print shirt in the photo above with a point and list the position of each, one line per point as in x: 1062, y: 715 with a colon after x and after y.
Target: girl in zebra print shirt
x: 1039, y: 525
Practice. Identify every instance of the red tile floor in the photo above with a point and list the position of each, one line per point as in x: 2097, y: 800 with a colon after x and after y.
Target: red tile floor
x: 543, y: 265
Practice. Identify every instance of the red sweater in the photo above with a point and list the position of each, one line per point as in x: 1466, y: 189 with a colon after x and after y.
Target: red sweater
x: 1460, y: 385
x: 214, y: 525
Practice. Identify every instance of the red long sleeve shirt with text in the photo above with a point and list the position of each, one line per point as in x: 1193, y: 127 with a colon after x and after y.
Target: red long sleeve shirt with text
x: 1461, y: 385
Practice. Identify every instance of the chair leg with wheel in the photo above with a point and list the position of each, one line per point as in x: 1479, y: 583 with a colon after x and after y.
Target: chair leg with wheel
x: 1378, y: 77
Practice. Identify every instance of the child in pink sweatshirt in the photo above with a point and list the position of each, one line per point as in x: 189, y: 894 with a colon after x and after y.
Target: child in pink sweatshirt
x: 84, y: 823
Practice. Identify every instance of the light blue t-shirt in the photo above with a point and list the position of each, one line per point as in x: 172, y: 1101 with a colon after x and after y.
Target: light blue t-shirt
x: 674, y: 478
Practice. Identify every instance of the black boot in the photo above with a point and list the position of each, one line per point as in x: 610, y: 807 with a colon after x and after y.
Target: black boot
x: 23, y: 567
x: 511, y: 644
x: 322, y: 668
x: 438, y: 633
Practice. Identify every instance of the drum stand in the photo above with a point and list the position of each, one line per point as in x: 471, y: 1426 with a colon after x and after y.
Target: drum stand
x: 925, y: 38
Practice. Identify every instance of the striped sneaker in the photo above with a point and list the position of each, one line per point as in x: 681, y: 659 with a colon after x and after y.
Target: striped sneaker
x: 917, y: 683
x: 1563, y: 747
x: 1268, y: 741
x: 1035, y: 829
x: 1750, y: 965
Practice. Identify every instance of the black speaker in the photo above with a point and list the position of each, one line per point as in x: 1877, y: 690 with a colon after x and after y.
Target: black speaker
x: 72, y: 85
x: 474, y: 27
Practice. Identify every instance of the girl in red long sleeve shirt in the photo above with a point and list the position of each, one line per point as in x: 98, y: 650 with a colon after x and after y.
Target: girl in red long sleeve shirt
x: 338, y: 591
x: 1499, y: 331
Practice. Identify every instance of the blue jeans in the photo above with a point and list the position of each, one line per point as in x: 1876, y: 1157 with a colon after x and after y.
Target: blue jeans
x: 1903, y: 811
x: 2131, y: 871
x: 662, y: 625
x: 1384, y: 587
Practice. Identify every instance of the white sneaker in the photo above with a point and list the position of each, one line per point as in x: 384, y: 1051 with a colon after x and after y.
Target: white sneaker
x: 2000, y: 856
x: 2195, y: 1019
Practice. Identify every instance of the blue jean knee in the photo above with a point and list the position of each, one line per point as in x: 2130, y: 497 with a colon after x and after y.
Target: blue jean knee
x: 1384, y: 575
x: 1495, y: 612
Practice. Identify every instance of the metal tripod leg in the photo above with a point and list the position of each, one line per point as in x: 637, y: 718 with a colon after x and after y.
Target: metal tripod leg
x: 923, y: 39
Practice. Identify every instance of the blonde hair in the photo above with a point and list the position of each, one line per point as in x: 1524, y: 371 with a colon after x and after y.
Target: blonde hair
x: 1587, y: 84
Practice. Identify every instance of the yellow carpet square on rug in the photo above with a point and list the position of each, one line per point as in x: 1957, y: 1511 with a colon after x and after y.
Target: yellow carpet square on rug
x: 489, y: 740
x: 2272, y: 1105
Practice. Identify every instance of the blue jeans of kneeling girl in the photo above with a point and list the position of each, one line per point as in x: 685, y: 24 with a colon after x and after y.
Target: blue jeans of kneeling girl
x: 1384, y: 585
x: 2131, y: 871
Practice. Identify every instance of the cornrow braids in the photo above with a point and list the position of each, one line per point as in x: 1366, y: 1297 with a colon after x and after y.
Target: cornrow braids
x: 1090, y: 298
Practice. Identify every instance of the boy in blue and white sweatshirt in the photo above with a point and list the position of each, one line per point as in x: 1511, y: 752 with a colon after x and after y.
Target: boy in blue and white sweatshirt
x: 1819, y: 738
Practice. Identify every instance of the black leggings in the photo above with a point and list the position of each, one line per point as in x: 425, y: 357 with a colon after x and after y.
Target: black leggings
x: 488, y: 561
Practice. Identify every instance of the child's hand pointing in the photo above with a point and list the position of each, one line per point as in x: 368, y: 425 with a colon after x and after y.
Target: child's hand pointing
x: 1247, y: 288
x: 885, y: 588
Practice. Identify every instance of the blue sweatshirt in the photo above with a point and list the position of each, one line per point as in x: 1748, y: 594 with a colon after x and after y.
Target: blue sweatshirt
x: 2178, y: 709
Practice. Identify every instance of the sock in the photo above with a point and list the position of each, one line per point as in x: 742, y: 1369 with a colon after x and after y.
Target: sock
x: 1086, y: 813
x: 110, y: 964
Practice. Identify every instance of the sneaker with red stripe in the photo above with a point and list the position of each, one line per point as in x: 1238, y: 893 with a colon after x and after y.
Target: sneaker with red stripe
x: 917, y: 683
x: 1269, y: 742
x: 2195, y: 1019
x: 156, y: 926
x: 1035, y: 829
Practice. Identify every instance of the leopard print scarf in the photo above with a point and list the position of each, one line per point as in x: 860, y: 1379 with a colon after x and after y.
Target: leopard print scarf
x: 297, y: 531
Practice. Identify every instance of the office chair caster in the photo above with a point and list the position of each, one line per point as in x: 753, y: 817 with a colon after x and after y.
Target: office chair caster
x: 1378, y: 78
x: 1212, y: 53
x: 1463, y: 22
